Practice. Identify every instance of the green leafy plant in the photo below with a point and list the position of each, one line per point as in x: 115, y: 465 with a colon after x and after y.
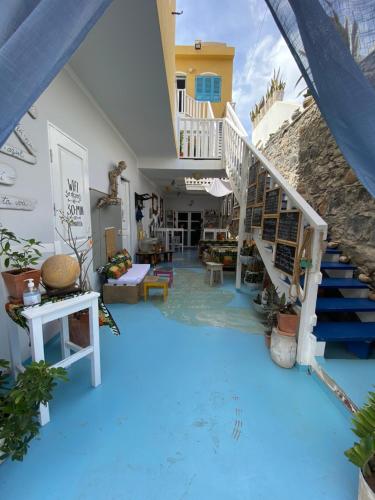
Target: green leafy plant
x: 19, y: 405
x: 362, y: 454
x: 27, y: 255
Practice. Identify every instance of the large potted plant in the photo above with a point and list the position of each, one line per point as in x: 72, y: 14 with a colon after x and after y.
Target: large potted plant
x: 362, y: 454
x: 19, y: 405
x: 19, y: 255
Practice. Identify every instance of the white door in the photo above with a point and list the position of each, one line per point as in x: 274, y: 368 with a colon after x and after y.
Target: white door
x: 70, y: 185
x: 124, y: 192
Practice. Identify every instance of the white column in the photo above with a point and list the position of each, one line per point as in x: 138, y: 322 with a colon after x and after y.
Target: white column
x: 37, y: 353
x: 94, y: 341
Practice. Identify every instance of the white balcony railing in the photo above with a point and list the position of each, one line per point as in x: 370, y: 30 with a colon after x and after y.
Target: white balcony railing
x: 189, y: 107
x: 200, y: 138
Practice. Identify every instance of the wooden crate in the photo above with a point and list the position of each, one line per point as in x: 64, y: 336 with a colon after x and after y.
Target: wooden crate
x: 122, y: 294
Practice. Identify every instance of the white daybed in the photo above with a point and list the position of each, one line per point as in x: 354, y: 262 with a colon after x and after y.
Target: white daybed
x: 128, y: 288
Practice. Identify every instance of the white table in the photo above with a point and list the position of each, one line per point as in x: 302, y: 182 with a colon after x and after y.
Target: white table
x: 168, y: 234
x: 214, y: 232
x: 37, y: 316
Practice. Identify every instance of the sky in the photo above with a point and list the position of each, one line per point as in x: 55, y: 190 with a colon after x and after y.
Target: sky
x: 248, y: 26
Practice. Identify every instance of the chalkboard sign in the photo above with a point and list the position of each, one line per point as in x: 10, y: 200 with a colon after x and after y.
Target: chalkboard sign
x: 251, y: 192
x: 261, y: 187
x: 249, y: 212
x: 269, y: 229
x: 289, y: 226
x: 257, y: 217
x: 271, y: 204
x: 253, y: 171
x: 284, y: 258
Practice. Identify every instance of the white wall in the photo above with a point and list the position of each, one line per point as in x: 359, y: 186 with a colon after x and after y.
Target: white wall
x: 191, y: 202
x: 278, y: 113
x: 66, y: 104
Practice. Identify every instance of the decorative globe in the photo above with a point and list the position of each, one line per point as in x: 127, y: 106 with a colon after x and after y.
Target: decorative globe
x: 60, y: 271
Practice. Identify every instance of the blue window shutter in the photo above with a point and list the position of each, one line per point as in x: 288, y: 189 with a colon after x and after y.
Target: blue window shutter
x: 199, y: 88
x: 216, y: 89
x: 208, y: 88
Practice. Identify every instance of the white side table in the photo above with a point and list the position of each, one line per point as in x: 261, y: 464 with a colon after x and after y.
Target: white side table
x: 37, y: 316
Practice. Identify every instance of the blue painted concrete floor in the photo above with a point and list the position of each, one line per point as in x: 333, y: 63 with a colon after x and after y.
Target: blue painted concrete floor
x: 186, y: 412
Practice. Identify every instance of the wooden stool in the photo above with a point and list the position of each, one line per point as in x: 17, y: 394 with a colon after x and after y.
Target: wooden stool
x: 214, y: 270
x: 168, y: 272
x: 155, y: 282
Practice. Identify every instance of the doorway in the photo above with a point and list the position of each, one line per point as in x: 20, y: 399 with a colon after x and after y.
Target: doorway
x: 192, y: 223
x: 124, y: 194
x: 181, y: 89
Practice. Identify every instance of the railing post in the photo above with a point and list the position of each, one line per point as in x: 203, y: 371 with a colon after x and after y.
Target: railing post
x: 306, y: 339
x: 242, y: 202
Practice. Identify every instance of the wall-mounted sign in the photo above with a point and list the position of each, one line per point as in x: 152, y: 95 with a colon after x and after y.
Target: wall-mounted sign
x: 269, y: 229
x: 8, y: 175
x: 28, y: 156
x: 73, y: 201
x: 257, y: 217
x: 288, y: 229
x: 9, y: 202
x: 272, y: 202
x: 285, y: 257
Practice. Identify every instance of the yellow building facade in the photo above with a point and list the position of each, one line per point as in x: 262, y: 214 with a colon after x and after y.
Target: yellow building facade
x: 205, y: 70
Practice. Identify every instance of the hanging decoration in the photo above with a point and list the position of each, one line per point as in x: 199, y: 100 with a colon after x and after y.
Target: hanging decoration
x: 10, y: 202
x: 28, y: 156
x: 219, y: 188
x: 8, y: 175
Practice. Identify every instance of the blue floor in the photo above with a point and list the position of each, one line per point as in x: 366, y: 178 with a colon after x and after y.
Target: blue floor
x: 186, y: 413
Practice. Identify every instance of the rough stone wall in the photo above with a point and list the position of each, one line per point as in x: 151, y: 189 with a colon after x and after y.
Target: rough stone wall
x: 307, y: 155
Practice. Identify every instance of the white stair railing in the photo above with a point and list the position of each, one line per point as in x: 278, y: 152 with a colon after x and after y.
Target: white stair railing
x: 189, y: 107
x: 238, y: 156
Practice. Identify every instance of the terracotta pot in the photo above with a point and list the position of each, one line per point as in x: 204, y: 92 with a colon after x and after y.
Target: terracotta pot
x: 79, y: 328
x: 285, y: 334
x: 287, y: 323
x: 15, y: 281
x: 364, y: 490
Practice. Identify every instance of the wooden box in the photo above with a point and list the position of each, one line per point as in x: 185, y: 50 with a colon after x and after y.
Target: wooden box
x: 122, y: 294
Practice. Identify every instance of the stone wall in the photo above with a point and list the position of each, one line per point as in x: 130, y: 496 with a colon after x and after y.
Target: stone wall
x: 307, y: 155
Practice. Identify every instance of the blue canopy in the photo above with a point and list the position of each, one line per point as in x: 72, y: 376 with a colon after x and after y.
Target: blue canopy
x: 333, y: 43
x: 37, y: 37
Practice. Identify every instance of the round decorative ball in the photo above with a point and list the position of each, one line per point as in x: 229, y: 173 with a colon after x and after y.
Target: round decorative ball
x: 60, y: 271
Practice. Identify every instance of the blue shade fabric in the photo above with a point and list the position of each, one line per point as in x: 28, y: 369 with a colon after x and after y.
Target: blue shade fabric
x: 333, y: 43
x: 37, y: 37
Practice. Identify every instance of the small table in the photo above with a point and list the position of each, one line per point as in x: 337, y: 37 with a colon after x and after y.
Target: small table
x: 163, y: 271
x: 37, y: 316
x: 155, y: 282
x: 154, y: 257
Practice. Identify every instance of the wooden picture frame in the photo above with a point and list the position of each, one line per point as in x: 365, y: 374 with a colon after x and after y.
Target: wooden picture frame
x: 281, y: 258
x: 272, y: 198
x: 267, y: 230
x: 294, y: 232
x: 257, y: 216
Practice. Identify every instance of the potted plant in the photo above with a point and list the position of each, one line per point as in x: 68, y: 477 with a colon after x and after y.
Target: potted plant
x: 79, y: 325
x: 20, y: 260
x: 362, y: 454
x: 19, y: 406
x: 287, y: 319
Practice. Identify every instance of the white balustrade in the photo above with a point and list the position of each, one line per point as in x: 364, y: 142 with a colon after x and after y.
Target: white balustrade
x: 200, y: 138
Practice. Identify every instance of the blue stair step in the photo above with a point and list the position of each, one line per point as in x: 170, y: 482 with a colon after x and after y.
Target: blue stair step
x: 333, y: 251
x: 336, y: 265
x: 342, y: 283
x: 324, y: 304
x: 345, y: 331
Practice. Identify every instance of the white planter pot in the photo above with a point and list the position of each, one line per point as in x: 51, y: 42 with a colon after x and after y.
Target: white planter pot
x: 364, y: 491
x: 283, y: 349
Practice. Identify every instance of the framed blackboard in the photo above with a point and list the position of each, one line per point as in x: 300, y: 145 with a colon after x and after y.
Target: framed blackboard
x: 257, y: 216
x: 272, y: 202
x: 285, y: 258
x: 269, y: 229
x: 249, y: 212
x: 261, y: 186
x: 288, y: 229
x: 251, y: 193
x: 253, y: 171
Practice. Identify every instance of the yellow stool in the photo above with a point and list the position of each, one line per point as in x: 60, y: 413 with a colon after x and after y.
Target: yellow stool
x: 155, y: 282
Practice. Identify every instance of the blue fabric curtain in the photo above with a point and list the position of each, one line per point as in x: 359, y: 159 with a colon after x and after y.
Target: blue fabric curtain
x: 37, y: 37
x: 333, y: 43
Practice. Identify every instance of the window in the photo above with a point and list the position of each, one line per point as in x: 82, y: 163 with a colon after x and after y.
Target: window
x: 208, y: 88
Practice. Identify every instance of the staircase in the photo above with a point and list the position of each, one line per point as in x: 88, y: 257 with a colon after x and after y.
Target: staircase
x: 336, y: 308
x: 344, y: 312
